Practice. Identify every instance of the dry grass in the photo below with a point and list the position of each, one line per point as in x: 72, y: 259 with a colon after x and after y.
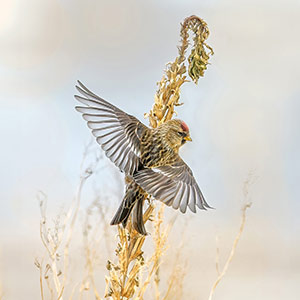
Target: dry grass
x: 126, y: 278
x: 56, y: 239
x: 247, y: 199
x: 222, y: 273
x: 93, y: 236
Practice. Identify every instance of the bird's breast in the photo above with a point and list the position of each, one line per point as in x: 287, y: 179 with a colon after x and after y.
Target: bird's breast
x: 155, y: 153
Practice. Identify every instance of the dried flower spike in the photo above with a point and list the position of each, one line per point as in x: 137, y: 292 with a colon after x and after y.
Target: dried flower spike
x: 168, y: 93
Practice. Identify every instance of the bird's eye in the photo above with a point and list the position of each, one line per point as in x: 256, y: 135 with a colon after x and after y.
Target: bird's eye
x: 180, y: 133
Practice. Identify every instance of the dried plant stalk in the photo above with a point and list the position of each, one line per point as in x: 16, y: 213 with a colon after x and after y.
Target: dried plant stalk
x: 168, y: 93
x: 122, y: 281
x: 251, y: 178
x: 56, y: 239
x: 124, y: 276
x: 91, y: 241
x: 222, y: 273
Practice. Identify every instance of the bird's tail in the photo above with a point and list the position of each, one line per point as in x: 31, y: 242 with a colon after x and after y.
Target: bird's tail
x: 133, y: 200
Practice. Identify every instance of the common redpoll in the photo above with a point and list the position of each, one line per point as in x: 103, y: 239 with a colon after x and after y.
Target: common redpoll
x: 148, y: 157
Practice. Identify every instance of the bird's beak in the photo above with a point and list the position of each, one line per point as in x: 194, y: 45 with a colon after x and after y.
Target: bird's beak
x: 188, y: 138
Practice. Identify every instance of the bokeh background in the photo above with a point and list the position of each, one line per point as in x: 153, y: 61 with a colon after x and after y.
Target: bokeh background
x: 243, y: 116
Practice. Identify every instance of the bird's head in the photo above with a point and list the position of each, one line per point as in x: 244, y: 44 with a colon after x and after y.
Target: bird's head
x: 176, y: 133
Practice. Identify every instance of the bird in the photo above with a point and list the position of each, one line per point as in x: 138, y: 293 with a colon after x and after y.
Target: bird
x: 149, y: 157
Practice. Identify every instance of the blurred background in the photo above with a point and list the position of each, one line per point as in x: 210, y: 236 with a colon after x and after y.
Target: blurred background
x: 243, y: 117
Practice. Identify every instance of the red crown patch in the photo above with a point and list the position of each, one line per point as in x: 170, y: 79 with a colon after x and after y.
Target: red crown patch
x: 184, y: 126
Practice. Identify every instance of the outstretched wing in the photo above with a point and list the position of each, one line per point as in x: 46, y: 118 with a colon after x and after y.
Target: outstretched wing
x: 114, y: 130
x: 174, y: 185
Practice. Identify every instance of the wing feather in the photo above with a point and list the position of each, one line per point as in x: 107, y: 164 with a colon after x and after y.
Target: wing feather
x: 114, y: 130
x: 174, y: 185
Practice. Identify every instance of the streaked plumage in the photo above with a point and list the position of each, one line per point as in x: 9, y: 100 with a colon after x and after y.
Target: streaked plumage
x: 133, y: 201
x: 148, y: 157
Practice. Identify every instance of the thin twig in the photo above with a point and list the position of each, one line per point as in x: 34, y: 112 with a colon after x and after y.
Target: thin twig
x: 230, y: 257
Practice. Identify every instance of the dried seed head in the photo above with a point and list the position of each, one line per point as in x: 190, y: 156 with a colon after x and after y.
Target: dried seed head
x: 168, y: 93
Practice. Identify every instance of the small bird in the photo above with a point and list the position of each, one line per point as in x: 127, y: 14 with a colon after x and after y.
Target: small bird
x: 148, y: 157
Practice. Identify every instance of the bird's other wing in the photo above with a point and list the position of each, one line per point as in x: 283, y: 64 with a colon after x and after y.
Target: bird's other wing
x: 174, y: 185
x: 116, y: 131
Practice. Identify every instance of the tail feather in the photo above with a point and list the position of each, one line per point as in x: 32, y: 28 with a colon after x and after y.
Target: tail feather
x: 122, y: 215
x: 133, y: 200
x: 137, y: 217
